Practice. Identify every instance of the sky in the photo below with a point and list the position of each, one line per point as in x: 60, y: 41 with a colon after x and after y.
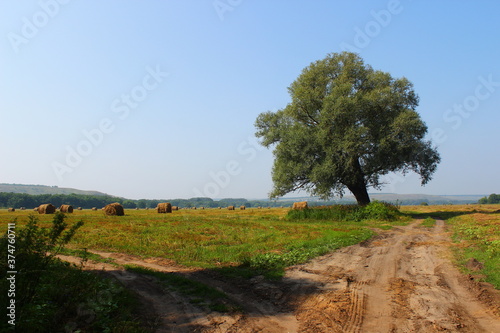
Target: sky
x: 158, y: 99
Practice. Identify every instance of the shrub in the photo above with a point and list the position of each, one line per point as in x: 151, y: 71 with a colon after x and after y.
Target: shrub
x: 53, y: 296
x: 376, y: 210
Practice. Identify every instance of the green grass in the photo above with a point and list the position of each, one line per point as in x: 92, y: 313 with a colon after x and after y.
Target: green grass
x: 478, y: 236
x: 206, y: 239
x: 272, y: 264
x: 243, y: 243
x: 429, y: 222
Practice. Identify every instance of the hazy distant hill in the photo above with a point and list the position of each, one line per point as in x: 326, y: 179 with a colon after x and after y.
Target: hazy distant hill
x: 415, y: 199
x: 403, y: 199
x: 43, y: 189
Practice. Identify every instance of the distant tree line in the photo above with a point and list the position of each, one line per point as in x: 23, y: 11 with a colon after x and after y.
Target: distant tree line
x: 492, y: 199
x: 17, y: 200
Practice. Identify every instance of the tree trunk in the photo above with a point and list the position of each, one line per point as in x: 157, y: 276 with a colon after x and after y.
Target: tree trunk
x: 360, y: 193
x: 358, y: 185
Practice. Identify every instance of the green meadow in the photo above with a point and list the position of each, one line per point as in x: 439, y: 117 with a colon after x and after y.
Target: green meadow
x: 212, y: 238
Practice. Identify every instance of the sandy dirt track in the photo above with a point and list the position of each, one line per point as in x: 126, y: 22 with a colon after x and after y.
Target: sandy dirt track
x: 399, y: 281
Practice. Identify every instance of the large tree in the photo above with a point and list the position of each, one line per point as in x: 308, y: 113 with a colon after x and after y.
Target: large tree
x: 345, y: 127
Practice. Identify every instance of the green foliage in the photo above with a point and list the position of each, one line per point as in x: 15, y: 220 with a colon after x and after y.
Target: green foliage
x: 52, y: 296
x: 345, y: 127
x: 492, y: 199
x: 376, y: 210
x: 35, y: 251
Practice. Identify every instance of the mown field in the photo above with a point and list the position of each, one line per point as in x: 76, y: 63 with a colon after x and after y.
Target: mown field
x: 209, y: 238
x: 240, y: 243
x: 258, y: 238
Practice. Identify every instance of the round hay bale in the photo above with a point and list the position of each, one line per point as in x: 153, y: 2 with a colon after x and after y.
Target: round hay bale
x: 66, y: 209
x: 300, y: 205
x: 46, y: 209
x: 114, y: 209
x: 22, y: 208
x: 11, y: 209
x: 164, y: 207
x: 230, y: 208
x: 242, y: 207
x: 94, y: 208
x: 79, y: 208
x: 175, y: 207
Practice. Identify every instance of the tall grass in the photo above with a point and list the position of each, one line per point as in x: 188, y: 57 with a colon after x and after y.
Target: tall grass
x: 374, y: 211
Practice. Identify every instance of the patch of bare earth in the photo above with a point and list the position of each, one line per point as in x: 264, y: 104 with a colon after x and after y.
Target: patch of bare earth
x: 400, y: 281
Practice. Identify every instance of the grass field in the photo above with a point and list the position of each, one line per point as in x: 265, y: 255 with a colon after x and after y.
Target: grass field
x: 210, y: 238
x: 263, y: 238
x: 241, y: 243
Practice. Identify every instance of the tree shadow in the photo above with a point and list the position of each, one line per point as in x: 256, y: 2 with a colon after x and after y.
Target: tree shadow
x: 445, y: 215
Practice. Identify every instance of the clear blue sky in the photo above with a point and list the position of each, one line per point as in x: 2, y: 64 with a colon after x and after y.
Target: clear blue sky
x: 157, y: 99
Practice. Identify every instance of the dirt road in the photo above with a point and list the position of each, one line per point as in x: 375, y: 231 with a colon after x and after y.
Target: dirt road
x: 400, y: 281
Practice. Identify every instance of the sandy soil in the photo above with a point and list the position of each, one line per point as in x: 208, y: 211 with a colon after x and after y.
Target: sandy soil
x: 399, y: 281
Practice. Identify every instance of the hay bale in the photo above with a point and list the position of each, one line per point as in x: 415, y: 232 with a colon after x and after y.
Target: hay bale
x: 230, y: 208
x: 114, y: 209
x: 175, y: 207
x: 242, y: 207
x: 11, y: 210
x: 46, y: 209
x: 66, y: 209
x: 22, y: 208
x: 300, y: 205
x: 79, y: 208
x: 164, y: 207
x: 94, y: 208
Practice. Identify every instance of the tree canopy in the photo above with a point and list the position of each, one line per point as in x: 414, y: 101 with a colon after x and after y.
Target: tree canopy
x: 492, y: 199
x: 345, y: 127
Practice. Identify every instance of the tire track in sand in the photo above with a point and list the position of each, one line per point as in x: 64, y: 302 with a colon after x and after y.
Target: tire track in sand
x: 400, y: 281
